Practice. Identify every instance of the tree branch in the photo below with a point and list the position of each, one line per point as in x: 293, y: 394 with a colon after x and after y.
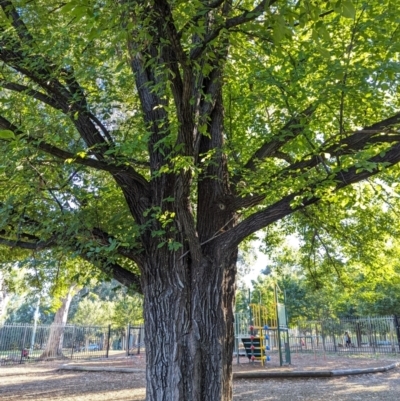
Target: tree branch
x: 16, y: 21
x: 119, y: 273
x: 122, y: 275
x: 35, y: 246
x: 65, y: 155
x: 200, y: 15
x: 291, y: 130
x: 52, y: 102
x: 352, y: 143
x: 284, y: 207
x: 167, y: 20
x: 231, y: 23
x: 70, y: 101
x: 32, y: 93
x: 357, y: 141
x: 130, y: 253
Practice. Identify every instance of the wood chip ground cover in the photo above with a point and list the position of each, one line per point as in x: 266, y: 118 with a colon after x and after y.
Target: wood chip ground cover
x: 46, y: 382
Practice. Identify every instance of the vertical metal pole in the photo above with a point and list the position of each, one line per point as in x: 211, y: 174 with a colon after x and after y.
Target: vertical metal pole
x: 287, y: 346
x: 139, y: 339
x: 237, y: 337
x: 250, y: 314
x: 23, y: 344
x: 392, y: 328
x: 323, y: 335
x: 278, y: 328
x: 73, y: 342
x: 108, y: 340
x: 397, y: 327
x: 334, y: 338
x: 370, y: 334
x: 128, y: 339
x: 358, y: 333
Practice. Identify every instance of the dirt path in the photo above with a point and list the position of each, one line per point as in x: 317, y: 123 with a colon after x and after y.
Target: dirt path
x: 45, y: 382
x: 371, y: 387
x: 30, y: 383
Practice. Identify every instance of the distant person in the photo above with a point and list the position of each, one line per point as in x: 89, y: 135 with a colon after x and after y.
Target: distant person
x: 347, y: 339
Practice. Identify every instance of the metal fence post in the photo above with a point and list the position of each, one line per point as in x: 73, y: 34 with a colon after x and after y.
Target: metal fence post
x: 108, y: 340
x: 323, y: 335
x: 23, y: 344
x: 371, y: 338
x: 139, y: 339
x: 278, y: 327
x: 73, y: 342
x: 397, y: 325
x: 128, y: 339
x: 334, y: 339
x: 237, y: 338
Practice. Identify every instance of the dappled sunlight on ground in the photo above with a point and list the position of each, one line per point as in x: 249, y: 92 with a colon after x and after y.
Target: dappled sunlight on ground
x: 50, y: 384
x: 371, y: 387
x: 44, y: 382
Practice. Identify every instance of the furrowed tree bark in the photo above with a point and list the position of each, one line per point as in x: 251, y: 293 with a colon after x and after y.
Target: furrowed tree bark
x: 189, y: 295
x: 188, y: 318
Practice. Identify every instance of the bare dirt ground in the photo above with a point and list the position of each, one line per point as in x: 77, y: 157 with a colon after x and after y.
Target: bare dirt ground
x: 44, y: 381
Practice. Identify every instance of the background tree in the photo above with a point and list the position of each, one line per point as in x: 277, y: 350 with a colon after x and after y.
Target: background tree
x: 53, y: 279
x: 128, y: 310
x: 345, y: 266
x: 152, y: 137
x: 4, y: 296
x: 56, y: 335
x: 92, y: 311
x: 107, y: 303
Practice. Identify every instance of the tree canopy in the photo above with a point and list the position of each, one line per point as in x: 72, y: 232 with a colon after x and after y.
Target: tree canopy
x: 346, y: 266
x: 151, y: 138
x: 316, y: 86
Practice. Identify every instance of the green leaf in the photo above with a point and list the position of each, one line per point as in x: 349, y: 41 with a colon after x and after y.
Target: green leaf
x: 174, y: 246
x: 348, y: 10
x: 6, y: 134
x: 323, y: 32
x: 325, y: 53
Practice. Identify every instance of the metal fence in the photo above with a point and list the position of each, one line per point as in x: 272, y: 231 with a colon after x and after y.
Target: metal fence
x: 29, y: 343
x: 369, y: 335
x: 135, y: 340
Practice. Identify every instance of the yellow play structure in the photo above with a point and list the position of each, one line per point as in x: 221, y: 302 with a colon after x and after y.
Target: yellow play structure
x: 267, y: 329
x: 258, y: 344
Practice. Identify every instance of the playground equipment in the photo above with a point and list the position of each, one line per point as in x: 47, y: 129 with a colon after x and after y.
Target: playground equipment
x: 263, y: 331
x: 258, y: 344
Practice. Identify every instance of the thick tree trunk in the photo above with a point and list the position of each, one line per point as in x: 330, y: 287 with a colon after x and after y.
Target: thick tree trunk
x: 189, y: 327
x: 56, y: 335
